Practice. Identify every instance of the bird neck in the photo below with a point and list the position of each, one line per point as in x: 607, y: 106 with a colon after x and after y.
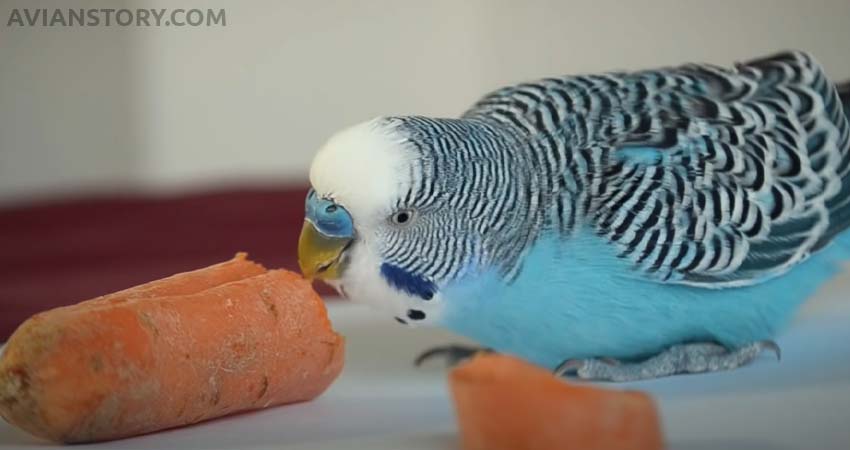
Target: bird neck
x: 500, y: 184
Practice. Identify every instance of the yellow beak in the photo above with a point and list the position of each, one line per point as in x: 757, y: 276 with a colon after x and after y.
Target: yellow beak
x: 318, y: 254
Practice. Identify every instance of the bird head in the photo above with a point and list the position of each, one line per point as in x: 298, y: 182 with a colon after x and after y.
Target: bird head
x: 401, y: 207
x: 360, y: 235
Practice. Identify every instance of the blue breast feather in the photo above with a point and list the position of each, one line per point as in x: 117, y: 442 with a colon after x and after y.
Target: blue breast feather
x: 576, y: 299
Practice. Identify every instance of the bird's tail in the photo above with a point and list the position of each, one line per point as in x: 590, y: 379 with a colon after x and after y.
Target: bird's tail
x: 840, y: 217
x: 844, y: 95
x: 839, y: 205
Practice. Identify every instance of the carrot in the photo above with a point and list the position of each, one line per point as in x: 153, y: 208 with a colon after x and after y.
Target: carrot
x: 220, y: 340
x: 503, y: 403
x: 238, y: 268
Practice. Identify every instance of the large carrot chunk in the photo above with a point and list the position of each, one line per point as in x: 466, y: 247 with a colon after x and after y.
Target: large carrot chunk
x: 503, y: 403
x: 203, y: 344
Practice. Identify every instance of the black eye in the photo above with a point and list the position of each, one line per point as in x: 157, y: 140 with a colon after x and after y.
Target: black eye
x: 330, y: 209
x: 402, y: 217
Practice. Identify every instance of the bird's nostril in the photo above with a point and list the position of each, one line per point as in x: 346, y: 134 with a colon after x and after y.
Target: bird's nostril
x: 415, y: 314
x: 400, y: 320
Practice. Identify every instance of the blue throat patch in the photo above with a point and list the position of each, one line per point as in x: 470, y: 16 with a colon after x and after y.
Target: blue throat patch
x: 408, y: 282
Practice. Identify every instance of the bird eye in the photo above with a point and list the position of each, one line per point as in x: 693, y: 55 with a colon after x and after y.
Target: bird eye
x: 402, y: 217
x: 330, y: 209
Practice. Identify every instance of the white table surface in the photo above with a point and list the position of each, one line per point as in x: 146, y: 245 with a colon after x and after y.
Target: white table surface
x: 381, y: 402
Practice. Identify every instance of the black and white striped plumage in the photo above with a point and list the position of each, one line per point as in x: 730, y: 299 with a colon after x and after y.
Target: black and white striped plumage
x: 698, y: 174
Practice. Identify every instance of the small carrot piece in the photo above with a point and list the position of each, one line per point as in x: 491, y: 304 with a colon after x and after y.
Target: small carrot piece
x: 504, y: 403
x: 228, y: 338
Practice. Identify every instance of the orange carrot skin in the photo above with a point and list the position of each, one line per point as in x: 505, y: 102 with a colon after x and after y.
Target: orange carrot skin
x: 238, y: 268
x: 92, y: 372
x: 503, y: 403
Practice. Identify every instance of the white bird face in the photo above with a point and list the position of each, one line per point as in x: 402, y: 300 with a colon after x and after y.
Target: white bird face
x: 359, y: 179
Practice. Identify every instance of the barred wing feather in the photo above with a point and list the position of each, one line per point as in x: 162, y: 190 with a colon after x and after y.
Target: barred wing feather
x: 697, y: 174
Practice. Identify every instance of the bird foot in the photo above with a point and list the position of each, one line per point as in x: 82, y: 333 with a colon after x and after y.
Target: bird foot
x: 678, y: 359
x: 452, y: 354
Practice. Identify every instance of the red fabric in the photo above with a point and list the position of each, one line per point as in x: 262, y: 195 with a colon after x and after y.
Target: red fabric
x: 60, y: 253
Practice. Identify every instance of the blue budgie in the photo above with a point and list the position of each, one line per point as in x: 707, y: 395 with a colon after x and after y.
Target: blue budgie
x: 618, y: 226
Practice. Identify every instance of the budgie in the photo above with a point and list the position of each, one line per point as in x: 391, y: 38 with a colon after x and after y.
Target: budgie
x: 618, y: 226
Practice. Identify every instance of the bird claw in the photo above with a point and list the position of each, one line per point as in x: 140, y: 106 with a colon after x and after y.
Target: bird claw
x: 453, y: 354
x: 585, y: 368
x: 569, y: 367
x: 771, y: 346
x: 678, y: 359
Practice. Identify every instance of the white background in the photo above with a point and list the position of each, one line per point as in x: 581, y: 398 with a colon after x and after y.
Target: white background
x: 86, y: 109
